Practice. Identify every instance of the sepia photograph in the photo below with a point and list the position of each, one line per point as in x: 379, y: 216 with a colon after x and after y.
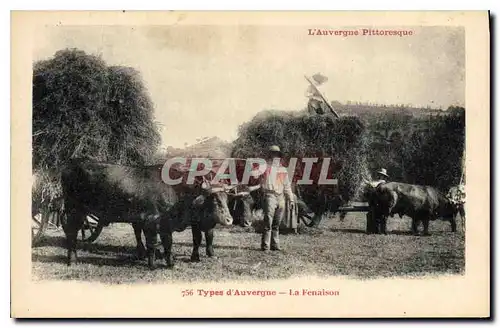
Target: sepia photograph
x: 290, y: 161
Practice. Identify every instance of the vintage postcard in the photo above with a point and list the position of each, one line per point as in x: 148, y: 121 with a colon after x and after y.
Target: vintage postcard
x: 250, y: 164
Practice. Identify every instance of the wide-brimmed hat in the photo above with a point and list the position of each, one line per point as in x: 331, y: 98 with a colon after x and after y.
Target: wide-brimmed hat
x: 274, y: 149
x: 383, y: 172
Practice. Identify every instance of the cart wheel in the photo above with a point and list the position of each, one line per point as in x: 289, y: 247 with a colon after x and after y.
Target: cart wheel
x: 93, y: 225
x: 38, y: 225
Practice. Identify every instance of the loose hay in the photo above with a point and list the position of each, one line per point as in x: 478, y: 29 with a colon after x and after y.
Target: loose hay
x: 46, y: 190
x: 301, y: 135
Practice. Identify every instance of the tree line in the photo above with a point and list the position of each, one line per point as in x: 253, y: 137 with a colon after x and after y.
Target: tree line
x: 425, y: 150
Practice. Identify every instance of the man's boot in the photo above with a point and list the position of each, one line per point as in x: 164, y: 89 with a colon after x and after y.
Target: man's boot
x: 266, y: 238
x: 275, y: 244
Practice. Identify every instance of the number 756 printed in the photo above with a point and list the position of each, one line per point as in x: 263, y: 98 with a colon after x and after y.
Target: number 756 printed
x: 187, y: 292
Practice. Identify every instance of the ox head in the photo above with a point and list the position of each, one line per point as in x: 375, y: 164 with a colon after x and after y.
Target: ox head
x: 242, y: 204
x: 214, y: 202
x: 448, y: 208
x: 456, y: 197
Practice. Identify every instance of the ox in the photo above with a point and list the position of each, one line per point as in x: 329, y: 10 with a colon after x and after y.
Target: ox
x: 312, y: 194
x: 137, y: 195
x: 421, y: 203
x: 242, y: 206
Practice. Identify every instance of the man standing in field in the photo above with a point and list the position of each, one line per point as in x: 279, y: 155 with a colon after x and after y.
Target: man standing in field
x: 457, y: 196
x: 276, y: 188
x: 380, y: 178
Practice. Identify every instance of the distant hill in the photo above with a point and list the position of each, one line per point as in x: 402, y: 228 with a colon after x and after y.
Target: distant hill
x: 212, y: 147
x: 367, y: 109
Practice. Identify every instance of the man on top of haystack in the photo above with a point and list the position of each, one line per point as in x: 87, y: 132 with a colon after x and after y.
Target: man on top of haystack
x: 317, y: 103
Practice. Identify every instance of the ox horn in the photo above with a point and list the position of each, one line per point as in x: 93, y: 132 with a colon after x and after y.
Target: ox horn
x: 248, y: 190
x: 220, y: 188
x: 205, y: 184
x: 216, y: 189
x: 253, y: 188
x: 229, y: 187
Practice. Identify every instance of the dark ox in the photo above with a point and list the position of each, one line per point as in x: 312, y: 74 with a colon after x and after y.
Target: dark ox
x: 137, y: 195
x: 320, y: 198
x: 243, y: 205
x: 420, y: 203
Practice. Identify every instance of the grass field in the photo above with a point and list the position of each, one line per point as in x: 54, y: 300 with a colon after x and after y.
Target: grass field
x: 334, y: 248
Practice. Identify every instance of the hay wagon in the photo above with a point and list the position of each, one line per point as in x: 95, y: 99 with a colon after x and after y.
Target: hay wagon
x: 47, y: 210
x: 354, y: 207
x: 47, y: 214
x: 47, y: 218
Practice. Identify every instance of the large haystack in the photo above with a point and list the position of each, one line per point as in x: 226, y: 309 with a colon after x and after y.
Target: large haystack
x: 301, y: 135
x: 83, y: 108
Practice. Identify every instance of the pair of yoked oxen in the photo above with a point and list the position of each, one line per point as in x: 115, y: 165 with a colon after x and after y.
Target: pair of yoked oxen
x: 137, y: 195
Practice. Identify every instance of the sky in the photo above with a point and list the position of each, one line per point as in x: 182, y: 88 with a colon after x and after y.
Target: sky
x: 208, y: 80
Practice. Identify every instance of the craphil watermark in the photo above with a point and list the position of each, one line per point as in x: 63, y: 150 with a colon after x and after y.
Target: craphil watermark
x: 304, y: 172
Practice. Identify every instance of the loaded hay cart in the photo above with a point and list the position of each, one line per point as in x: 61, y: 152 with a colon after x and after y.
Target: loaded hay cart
x: 47, y: 211
x: 45, y: 218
